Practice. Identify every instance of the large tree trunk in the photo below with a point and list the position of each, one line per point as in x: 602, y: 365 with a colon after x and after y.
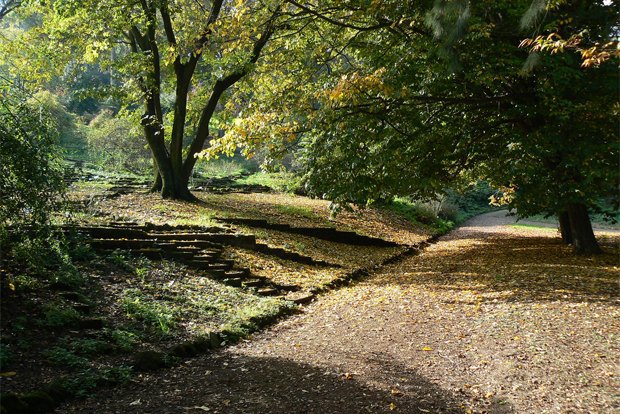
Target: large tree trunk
x: 584, y: 241
x: 565, y: 230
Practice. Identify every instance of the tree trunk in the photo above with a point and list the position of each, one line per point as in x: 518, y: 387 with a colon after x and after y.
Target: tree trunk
x: 156, y: 187
x: 565, y: 230
x: 584, y: 241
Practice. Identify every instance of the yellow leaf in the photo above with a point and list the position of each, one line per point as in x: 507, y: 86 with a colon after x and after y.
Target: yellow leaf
x: 8, y: 374
x: 427, y: 348
x: 392, y: 406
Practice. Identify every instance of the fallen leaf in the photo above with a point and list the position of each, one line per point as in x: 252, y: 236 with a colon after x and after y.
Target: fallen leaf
x: 136, y: 402
x: 392, y: 406
x: 395, y: 392
x: 8, y: 374
x: 427, y: 348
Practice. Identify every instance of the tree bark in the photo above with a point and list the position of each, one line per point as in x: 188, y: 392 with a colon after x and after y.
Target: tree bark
x: 584, y: 241
x: 156, y: 187
x: 565, y: 230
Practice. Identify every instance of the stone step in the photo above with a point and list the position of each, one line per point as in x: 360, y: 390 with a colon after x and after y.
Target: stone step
x: 243, y: 273
x: 131, y: 224
x: 193, y: 249
x: 102, y: 232
x: 218, y: 266
x: 179, y: 255
x: 199, y: 264
x: 211, y: 252
x: 151, y: 253
x: 325, y: 233
x: 287, y: 287
x: 196, y: 243
x: 254, y: 283
x: 217, y: 274
x: 267, y: 291
x: 233, y: 281
x: 300, y: 298
x: 183, y: 228
x: 206, y: 257
x: 121, y: 243
x: 182, y: 236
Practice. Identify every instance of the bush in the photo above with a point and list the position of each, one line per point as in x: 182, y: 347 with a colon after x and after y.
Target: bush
x: 115, y: 142
x: 71, y: 130
x: 59, y: 315
x: 31, y: 175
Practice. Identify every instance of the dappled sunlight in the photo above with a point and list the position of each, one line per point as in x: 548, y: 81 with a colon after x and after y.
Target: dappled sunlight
x: 521, y: 268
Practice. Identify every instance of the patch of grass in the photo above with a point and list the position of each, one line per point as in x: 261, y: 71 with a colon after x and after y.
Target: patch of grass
x: 281, y: 181
x: 125, y: 340
x: 121, y: 259
x: 66, y: 358
x: 86, y: 346
x: 223, y: 167
x: 205, y: 218
x: 141, y: 306
x: 6, y: 356
x: 416, y: 212
x: 533, y: 227
x: 299, y: 211
x: 83, y: 384
x: 59, y: 315
x: 25, y: 283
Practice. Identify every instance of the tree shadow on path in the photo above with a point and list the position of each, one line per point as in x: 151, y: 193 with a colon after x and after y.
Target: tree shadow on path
x: 226, y: 382
x: 524, y: 269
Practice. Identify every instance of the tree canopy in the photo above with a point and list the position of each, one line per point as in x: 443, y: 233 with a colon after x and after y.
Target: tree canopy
x: 404, y: 100
x: 375, y: 98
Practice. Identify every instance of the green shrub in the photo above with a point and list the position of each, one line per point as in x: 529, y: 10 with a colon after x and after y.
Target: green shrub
x: 299, y: 211
x: 225, y: 167
x: 125, y: 340
x: 115, y: 142
x: 63, y: 357
x: 283, y: 181
x: 448, y: 211
x: 157, y: 315
x: 31, y: 174
x: 6, y: 356
x: 58, y: 315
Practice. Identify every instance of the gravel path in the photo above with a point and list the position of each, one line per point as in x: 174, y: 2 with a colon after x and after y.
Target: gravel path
x: 489, y: 319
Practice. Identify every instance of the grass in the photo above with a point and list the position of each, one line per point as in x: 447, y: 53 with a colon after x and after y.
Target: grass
x: 533, y: 227
x: 175, y: 306
x: 283, y: 181
x: 204, y: 217
x: 59, y: 315
x: 224, y: 167
x: 597, y: 219
x: 299, y: 211
x: 416, y: 212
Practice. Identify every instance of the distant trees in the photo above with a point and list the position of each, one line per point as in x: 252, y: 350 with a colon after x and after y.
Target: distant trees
x: 179, y: 58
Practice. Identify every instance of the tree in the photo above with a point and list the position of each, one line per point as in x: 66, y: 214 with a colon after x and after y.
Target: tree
x: 178, y: 57
x: 409, y: 109
x: 7, y: 6
x: 31, y: 176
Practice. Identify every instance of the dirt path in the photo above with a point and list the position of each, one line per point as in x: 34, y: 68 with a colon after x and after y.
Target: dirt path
x: 490, y: 319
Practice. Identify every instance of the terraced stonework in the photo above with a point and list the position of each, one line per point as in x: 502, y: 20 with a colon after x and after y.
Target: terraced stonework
x: 199, y: 248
